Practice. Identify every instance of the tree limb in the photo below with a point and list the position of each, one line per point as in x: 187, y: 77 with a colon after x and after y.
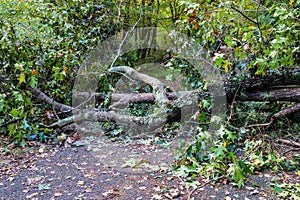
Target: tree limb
x: 292, y: 143
x: 290, y: 110
x: 156, y: 84
x: 42, y: 97
x: 289, y: 94
x: 273, y: 79
x: 123, y: 41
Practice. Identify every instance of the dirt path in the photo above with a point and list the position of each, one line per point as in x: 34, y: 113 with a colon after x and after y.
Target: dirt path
x: 103, y: 170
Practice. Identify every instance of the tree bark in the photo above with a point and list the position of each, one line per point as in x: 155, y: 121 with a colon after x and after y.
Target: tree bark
x: 289, y: 94
x: 277, y: 78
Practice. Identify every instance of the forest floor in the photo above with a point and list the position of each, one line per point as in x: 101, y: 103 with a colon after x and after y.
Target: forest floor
x: 102, y: 169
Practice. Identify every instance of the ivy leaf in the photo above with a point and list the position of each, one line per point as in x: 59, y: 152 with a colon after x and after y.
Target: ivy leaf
x: 279, y: 11
x: 22, y: 78
x: 33, y: 81
x: 26, y: 126
x: 44, y: 186
x: 298, y: 75
x: 15, y: 112
x: 219, y: 151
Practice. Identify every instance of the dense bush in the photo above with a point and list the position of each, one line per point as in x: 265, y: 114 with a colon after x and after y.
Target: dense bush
x: 42, y: 45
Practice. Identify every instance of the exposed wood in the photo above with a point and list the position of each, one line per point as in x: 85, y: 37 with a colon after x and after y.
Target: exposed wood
x: 156, y: 84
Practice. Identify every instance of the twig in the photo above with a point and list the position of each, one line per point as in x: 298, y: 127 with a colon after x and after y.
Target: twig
x: 251, y: 20
x: 290, y: 110
x: 8, y: 122
x: 119, y: 11
x: 258, y: 26
x: 294, y: 149
x: 292, y: 143
x: 257, y: 125
x: 123, y: 41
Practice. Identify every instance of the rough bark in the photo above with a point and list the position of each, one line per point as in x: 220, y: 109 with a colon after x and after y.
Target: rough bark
x: 277, y: 78
x: 157, y: 85
x: 293, y: 109
x: 286, y: 94
x: 42, y: 97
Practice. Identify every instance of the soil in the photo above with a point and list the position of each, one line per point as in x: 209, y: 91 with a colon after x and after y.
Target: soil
x: 102, y: 169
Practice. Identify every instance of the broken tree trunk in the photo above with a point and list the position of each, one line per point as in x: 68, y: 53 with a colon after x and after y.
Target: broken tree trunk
x: 280, y: 86
x: 284, y: 77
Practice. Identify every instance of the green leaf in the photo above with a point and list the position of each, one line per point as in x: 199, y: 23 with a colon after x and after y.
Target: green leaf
x: 280, y: 11
x: 15, y: 112
x: 279, y: 40
x: 230, y: 42
x: 44, y: 186
x: 22, y: 78
x: 298, y: 75
x: 33, y: 81
x: 26, y: 126
x: 219, y: 151
x: 278, y: 189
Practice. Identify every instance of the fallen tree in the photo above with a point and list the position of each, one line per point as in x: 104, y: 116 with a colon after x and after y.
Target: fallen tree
x: 283, y: 86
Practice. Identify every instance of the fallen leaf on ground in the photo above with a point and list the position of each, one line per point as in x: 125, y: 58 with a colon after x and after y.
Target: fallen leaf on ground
x: 32, y: 195
x: 57, y: 194
x: 80, y: 183
x: 156, y: 197
x: 114, y: 192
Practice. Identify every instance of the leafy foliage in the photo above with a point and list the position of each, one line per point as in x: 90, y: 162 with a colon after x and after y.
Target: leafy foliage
x: 244, y: 39
x: 270, y: 30
x: 42, y: 44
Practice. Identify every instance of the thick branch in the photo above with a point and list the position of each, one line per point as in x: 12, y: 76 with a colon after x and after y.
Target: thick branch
x: 290, y: 94
x: 42, y: 97
x: 156, y: 84
x: 280, y: 77
x: 290, y: 110
x: 292, y: 143
x: 166, y: 114
x: 123, y: 98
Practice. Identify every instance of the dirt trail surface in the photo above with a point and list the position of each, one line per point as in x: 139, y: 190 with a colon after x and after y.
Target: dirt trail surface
x: 107, y: 170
